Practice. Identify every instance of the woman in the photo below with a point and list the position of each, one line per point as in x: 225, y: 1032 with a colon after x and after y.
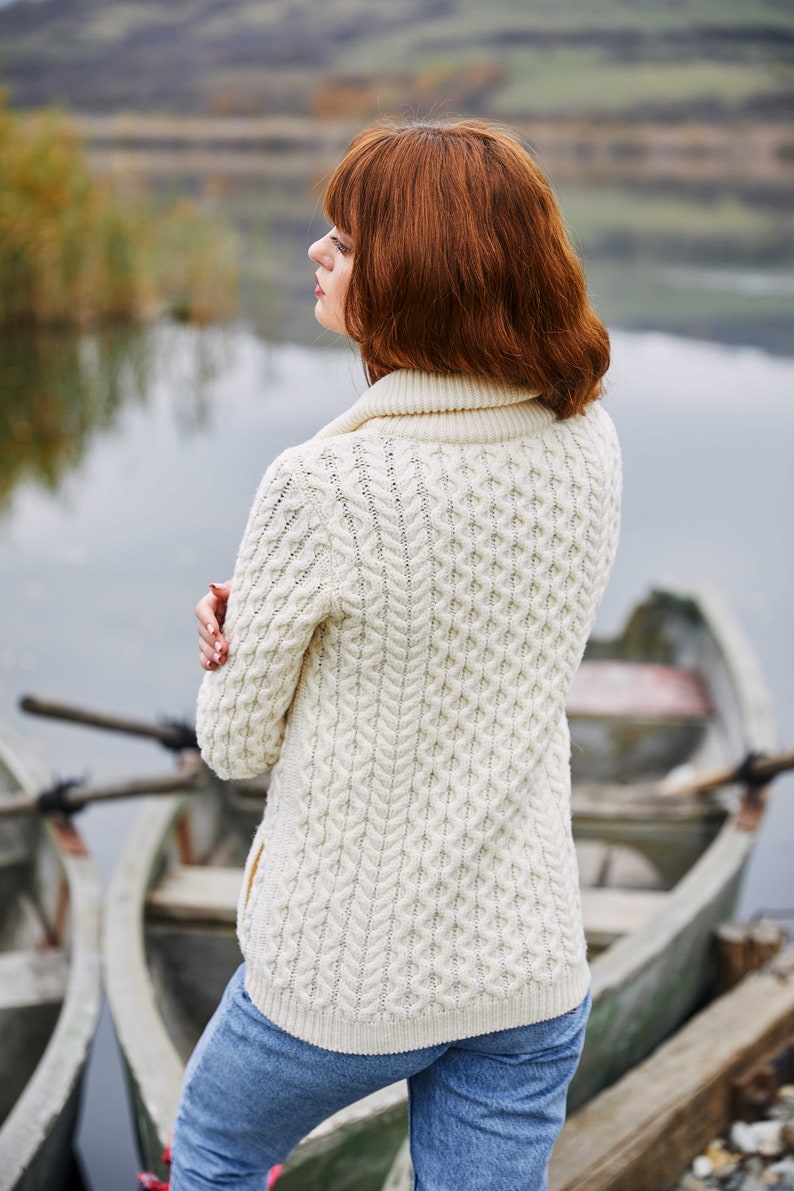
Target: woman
x: 412, y: 596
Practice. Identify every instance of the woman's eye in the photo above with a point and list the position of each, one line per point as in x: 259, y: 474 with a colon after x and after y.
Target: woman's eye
x: 337, y: 243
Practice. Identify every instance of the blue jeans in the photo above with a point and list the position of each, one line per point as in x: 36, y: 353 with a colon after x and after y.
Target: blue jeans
x: 484, y: 1112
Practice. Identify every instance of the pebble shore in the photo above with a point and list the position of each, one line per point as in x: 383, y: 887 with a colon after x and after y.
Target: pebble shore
x: 752, y: 1157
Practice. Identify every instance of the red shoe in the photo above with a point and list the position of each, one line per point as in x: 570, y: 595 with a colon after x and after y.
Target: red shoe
x: 151, y: 1182
x: 275, y: 1171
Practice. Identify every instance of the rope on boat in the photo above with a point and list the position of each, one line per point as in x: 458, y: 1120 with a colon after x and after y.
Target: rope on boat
x: 182, y: 735
x: 56, y: 799
x: 751, y: 772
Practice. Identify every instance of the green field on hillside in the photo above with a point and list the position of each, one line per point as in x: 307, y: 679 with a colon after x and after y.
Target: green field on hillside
x: 613, y: 94
x: 517, y: 58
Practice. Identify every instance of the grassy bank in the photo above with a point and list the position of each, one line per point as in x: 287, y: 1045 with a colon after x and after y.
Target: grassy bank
x: 76, y: 250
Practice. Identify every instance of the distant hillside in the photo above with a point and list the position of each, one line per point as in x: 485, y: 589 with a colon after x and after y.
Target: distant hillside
x: 658, y: 60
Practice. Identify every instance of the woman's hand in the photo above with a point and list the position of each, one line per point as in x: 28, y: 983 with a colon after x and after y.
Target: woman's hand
x: 211, y: 614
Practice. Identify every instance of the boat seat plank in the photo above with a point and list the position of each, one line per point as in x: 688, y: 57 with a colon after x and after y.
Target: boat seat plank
x: 197, y: 893
x: 29, y: 978
x: 610, y: 688
x: 611, y: 913
x: 209, y: 894
x: 637, y: 802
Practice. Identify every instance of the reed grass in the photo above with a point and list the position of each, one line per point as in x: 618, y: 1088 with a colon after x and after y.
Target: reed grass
x: 75, y: 251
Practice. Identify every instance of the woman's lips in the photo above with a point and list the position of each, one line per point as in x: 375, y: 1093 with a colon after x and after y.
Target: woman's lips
x: 318, y: 291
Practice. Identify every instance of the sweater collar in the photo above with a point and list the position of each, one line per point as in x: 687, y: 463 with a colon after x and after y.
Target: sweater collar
x: 438, y: 406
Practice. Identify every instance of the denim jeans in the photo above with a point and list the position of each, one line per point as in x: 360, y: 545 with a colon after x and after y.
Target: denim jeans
x: 484, y: 1112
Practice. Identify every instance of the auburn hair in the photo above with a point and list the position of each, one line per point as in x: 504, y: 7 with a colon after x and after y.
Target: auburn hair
x: 461, y: 263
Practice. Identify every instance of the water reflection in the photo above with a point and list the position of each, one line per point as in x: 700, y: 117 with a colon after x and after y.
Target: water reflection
x: 61, y: 391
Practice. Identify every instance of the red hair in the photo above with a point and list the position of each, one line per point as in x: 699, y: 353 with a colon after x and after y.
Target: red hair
x: 461, y: 263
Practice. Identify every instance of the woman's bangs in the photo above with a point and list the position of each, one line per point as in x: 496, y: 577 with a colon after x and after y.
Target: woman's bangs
x: 341, y: 194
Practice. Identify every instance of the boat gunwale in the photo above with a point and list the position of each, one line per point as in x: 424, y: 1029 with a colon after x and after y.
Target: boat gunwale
x: 728, y: 852
x: 55, y: 1079
x: 153, y: 1062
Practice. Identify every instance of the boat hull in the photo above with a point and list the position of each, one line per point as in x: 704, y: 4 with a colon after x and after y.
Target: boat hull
x: 51, y: 997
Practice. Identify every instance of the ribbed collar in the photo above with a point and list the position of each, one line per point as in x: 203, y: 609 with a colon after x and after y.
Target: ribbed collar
x: 443, y: 408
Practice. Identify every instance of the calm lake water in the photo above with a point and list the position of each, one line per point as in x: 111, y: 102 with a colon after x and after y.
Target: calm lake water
x: 99, y: 576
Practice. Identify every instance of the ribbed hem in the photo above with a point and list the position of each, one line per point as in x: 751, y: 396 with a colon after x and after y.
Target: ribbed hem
x: 388, y: 1035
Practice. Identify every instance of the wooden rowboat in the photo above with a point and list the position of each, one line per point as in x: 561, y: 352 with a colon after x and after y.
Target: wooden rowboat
x: 49, y: 985
x: 678, y: 688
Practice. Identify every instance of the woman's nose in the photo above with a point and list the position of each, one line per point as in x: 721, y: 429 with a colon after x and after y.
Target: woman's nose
x: 316, y: 252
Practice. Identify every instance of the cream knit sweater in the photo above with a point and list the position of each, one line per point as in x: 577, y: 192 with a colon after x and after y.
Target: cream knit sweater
x: 411, y: 599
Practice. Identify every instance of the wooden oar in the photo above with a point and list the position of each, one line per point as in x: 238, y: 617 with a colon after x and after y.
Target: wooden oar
x: 68, y: 797
x: 173, y: 734
x: 756, y: 770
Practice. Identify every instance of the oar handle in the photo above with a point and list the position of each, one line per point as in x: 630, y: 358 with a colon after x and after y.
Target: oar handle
x: 173, y: 734
x: 756, y: 770
x: 68, y: 797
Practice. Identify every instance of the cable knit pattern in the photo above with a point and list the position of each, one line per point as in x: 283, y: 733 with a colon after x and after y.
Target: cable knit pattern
x: 411, y: 599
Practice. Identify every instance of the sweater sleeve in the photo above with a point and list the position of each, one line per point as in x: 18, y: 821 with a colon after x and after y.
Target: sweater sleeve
x: 281, y: 592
